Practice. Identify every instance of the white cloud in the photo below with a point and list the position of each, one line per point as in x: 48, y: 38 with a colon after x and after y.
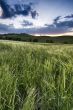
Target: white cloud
x: 17, y: 22
x: 1, y: 11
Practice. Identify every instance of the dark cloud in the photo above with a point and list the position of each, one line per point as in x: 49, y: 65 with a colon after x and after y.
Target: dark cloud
x: 18, y: 9
x: 50, y: 29
x: 58, y: 26
x: 5, y: 8
x: 69, y: 16
x: 4, y: 28
x: 34, y: 14
x: 7, y: 29
x: 64, y: 24
x: 27, y: 23
x: 57, y: 19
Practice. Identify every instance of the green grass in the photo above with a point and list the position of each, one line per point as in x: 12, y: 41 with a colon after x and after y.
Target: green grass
x: 35, y: 76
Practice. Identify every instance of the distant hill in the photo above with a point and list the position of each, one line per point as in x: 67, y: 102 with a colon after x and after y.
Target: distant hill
x: 44, y: 39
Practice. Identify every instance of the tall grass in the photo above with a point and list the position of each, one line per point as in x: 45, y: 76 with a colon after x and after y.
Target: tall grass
x: 36, y: 77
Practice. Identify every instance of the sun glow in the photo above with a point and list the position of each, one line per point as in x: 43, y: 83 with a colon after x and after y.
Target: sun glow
x: 55, y: 35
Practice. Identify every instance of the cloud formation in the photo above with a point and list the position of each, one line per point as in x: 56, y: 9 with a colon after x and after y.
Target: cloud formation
x: 69, y: 16
x: 57, y: 19
x: 27, y: 23
x: 60, y: 25
x: 36, y: 16
x: 17, y: 9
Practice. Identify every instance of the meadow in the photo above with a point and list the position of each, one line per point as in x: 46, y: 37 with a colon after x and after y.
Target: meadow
x: 35, y: 76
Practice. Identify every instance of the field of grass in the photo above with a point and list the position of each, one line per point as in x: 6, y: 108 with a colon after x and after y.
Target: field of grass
x: 36, y: 76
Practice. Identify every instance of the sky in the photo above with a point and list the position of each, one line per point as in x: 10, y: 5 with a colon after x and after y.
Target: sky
x: 37, y: 17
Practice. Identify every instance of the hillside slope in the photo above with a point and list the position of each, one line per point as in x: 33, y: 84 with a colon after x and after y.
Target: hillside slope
x: 44, y: 39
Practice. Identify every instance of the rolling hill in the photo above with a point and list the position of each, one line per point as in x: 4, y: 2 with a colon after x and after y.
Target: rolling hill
x: 42, y: 39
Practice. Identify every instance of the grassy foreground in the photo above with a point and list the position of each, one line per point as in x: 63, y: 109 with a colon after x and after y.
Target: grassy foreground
x: 35, y: 76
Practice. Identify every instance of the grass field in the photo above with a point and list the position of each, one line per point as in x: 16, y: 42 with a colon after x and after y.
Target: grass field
x: 36, y: 76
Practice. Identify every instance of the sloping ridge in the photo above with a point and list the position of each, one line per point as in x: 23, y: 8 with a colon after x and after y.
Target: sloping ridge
x: 30, y: 38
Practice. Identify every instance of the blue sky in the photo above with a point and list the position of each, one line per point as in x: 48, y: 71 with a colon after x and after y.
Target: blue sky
x: 38, y: 17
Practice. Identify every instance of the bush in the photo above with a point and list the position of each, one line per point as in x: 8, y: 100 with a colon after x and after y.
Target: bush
x: 65, y: 42
x: 35, y: 40
x: 49, y: 41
